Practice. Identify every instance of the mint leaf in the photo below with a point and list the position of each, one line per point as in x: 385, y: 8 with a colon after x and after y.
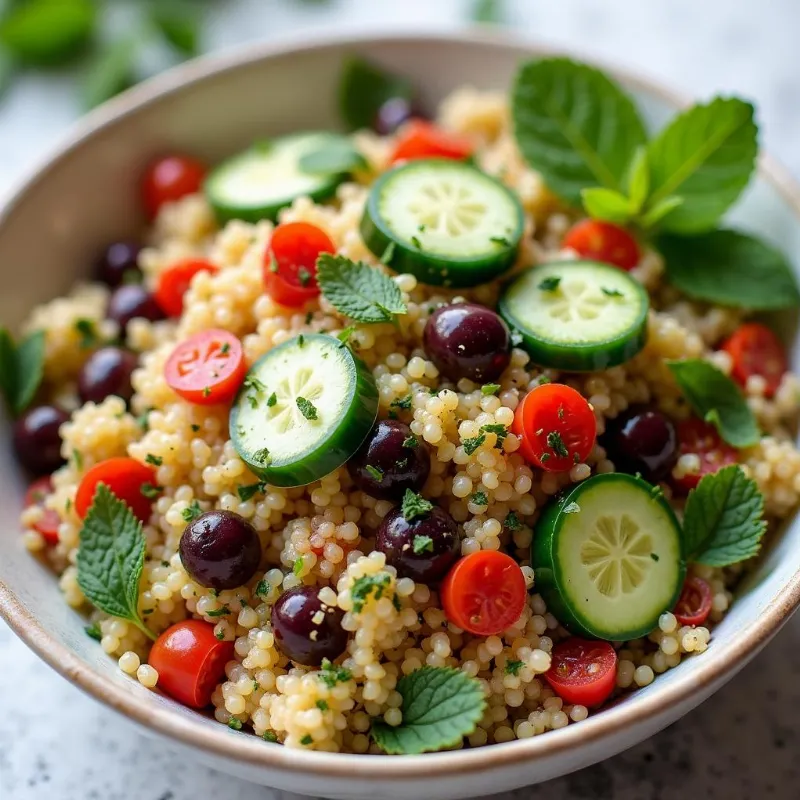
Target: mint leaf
x: 112, y: 71
x: 441, y: 706
x: 574, y: 125
x: 307, y: 408
x: 706, y: 155
x: 47, y: 33
x: 358, y: 290
x: 363, y: 88
x: 638, y: 183
x: 660, y: 210
x: 21, y: 369
x: 366, y: 586
x: 111, y: 557
x: 335, y: 157
x: 178, y: 23
x: 724, y: 519
x: 414, y: 505
x: 715, y: 398
x: 607, y: 204
x: 730, y: 268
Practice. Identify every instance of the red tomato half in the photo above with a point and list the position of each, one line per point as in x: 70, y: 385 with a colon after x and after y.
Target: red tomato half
x: 174, y: 281
x: 49, y: 521
x: 421, y: 139
x: 169, y: 179
x: 756, y: 350
x: 602, y: 241
x: 694, y: 604
x: 208, y: 368
x: 484, y: 593
x: 582, y: 671
x: 128, y: 479
x: 290, y: 264
x: 702, y: 438
x: 557, y: 427
x: 190, y: 662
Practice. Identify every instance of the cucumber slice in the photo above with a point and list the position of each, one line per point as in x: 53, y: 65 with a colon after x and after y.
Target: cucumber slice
x: 303, y: 410
x: 607, y: 557
x: 577, y: 316
x: 258, y: 183
x: 449, y: 223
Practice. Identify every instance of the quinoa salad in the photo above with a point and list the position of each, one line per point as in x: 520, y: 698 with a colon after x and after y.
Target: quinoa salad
x: 441, y: 433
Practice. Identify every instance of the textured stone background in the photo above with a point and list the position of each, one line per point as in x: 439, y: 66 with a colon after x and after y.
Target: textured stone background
x: 57, y: 744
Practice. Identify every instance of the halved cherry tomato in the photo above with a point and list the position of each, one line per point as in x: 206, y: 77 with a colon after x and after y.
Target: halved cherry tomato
x: 484, y: 593
x: 128, y: 479
x: 756, y: 350
x: 421, y: 139
x: 702, y: 439
x: 557, y: 427
x: 602, y: 241
x: 174, y: 281
x: 583, y: 671
x: 208, y: 368
x: 290, y: 264
x: 169, y: 179
x: 190, y: 662
x: 694, y: 604
x: 49, y: 521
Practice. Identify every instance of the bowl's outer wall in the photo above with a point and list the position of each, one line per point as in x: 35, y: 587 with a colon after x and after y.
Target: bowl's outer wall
x: 88, y: 196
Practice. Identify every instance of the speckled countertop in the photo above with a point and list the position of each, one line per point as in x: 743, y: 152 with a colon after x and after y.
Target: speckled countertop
x: 55, y: 743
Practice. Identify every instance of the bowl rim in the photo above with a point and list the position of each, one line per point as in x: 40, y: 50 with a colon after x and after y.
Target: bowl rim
x: 249, y: 750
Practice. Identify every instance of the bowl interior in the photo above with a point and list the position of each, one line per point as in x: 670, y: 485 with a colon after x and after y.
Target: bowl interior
x: 87, y: 195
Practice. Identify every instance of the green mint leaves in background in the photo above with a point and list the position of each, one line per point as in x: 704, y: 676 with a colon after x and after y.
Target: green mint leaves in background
x: 730, y: 268
x: 111, y: 558
x: 584, y: 135
x: 364, y: 88
x: 359, y: 291
x: 723, y: 522
x: 441, y: 706
x: 21, y: 369
x: 715, y: 398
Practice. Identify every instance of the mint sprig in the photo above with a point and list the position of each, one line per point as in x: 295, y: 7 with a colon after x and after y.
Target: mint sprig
x: 731, y: 268
x: 111, y: 558
x: 359, y: 291
x: 414, y: 506
x: 715, y: 398
x: 724, y: 519
x: 21, y: 369
x: 575, y: 126
x: 441, y: 706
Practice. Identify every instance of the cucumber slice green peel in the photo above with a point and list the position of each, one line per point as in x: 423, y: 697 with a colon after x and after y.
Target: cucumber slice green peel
x: 259, y: 182
x: 608, y: 558
x: 577, y: 316
x: 303, y: 410
x: 448, y: 223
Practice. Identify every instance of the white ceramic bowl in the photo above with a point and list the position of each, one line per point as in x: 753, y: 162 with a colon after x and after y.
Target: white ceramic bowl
x: 85, y: 195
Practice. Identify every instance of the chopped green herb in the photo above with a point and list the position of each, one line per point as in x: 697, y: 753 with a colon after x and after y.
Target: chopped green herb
x: 544, y: 457
x: 501, y: 240
x: 550, y: 284
x: 500, y: 431
x: 304, y: 276
x: 262, y: 456
x: 150, y: 490
x: 422, y: 544
x: 611, y: 292
x: 156, y: 461
x: 367, y: 585
x: 332, y: 674
x: 206, y: 391
x: 272, y: 400
x: 306, y: 740
x: 301, y: 340
x: 414, y: 505
x: 416, y: 242
x: 262, y: 589
x: 195, y: 427
x: 307, y: 408
x: 223, y: 611
x: 225, y: 349
x: 143, y: 422
x: 513, y: 667
x: 192, y: 512
x: 512, y: 521
x: 556, y: 444
x: 388, y: 254
x: 252, y: 382
x: 322, y: 705
x: 471, y: 445
x: 480, y: 499
x: 78, y: 459
x: 269, y: 736
x: 248, y: 491
x: 376, y: 473
x: 309, y: 317
x: 88, y: 333
x: 93, y: 632
x: 219, y: 636
x: 298, y: 565
x: 654, y: 556
x: 490, y: 388
x: 402, y: 402
x: 235, y: 724
x: 344, y: 335
x: 411, y: 442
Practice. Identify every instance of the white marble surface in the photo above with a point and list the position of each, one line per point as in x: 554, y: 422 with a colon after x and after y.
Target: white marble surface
x: 57, y: 744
